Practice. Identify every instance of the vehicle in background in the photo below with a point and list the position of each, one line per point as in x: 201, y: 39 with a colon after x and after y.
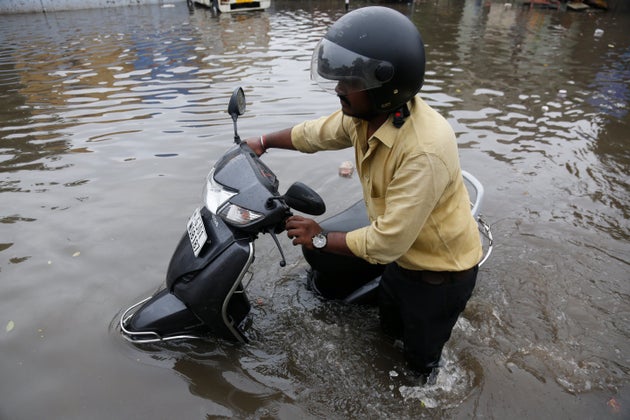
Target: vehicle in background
x: 225, y: 6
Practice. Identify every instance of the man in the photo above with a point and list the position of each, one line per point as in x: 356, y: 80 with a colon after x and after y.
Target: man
x: 421, y: 225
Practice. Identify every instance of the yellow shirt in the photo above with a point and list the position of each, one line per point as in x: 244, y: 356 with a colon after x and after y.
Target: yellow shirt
x: 413, y: 188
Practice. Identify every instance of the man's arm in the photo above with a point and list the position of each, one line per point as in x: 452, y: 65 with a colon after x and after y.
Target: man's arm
x: 302, y: 230
x: 278, y: 140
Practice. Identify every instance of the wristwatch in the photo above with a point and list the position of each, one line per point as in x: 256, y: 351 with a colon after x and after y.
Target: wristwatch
x: 320, y: 240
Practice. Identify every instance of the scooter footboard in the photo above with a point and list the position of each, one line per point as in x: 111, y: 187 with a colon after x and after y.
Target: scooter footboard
x: 337, y: 276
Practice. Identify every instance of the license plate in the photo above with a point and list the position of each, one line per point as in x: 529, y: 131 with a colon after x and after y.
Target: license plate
x: 197, y: 232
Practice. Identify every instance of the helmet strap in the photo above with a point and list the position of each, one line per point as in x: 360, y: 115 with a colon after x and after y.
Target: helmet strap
x: 399, y: 116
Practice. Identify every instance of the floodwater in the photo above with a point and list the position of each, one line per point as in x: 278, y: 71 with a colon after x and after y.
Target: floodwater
x: 110, y: 119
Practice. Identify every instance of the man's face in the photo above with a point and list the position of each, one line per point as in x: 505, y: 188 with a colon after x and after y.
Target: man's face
x: 354, y: 103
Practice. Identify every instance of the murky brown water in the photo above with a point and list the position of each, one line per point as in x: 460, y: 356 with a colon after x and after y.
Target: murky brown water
x: 109, y: 120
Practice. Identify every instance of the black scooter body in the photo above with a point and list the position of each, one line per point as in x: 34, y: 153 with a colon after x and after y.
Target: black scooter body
x: 202, y: 282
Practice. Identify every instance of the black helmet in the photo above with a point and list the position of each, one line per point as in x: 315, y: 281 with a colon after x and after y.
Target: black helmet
x: 375, y: 49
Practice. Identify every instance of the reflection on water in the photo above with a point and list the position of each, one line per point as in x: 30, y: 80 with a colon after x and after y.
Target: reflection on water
x: 111, y: 117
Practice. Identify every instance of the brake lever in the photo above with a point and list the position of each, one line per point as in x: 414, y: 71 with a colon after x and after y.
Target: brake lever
x: 283, y: 261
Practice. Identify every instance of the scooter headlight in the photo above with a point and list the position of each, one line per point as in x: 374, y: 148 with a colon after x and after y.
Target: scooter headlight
x: 238, y: 215
x: 215, y: 194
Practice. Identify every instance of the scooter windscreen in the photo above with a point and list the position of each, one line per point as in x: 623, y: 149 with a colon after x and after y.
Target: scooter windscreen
x: 239, y: 168
x: 242, y: 190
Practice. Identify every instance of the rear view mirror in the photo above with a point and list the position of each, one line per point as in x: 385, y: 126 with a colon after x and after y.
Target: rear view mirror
x: 304, y: 199
x: 236, y: 106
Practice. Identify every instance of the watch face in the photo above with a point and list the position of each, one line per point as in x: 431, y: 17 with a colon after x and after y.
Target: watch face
x: 319, y: 241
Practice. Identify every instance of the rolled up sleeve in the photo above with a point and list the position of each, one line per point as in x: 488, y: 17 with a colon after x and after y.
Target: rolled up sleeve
x: 325, y: 133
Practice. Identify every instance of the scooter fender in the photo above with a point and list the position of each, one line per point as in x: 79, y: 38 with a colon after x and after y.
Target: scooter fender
x: 215, y: 293
x: 209, y: 285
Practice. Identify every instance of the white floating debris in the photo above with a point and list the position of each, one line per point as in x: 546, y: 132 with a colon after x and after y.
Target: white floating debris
x: 346, y: 169
x: 491, y: 92
x: 598, y: 33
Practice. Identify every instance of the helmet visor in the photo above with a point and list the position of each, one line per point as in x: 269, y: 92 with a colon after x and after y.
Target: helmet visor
x: 332, y: 64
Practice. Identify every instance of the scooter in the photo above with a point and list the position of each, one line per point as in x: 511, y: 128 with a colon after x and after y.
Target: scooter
x: 205, y: 289
x: 205, y: 293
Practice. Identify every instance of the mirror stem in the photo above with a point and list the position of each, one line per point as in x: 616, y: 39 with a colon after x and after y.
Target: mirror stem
x: 237, y: 139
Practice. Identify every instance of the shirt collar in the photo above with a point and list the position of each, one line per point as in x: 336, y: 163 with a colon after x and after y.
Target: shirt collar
x: 387, y: 132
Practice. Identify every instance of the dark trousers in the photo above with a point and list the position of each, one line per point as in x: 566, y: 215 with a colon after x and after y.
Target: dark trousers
x: 421, y: 308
